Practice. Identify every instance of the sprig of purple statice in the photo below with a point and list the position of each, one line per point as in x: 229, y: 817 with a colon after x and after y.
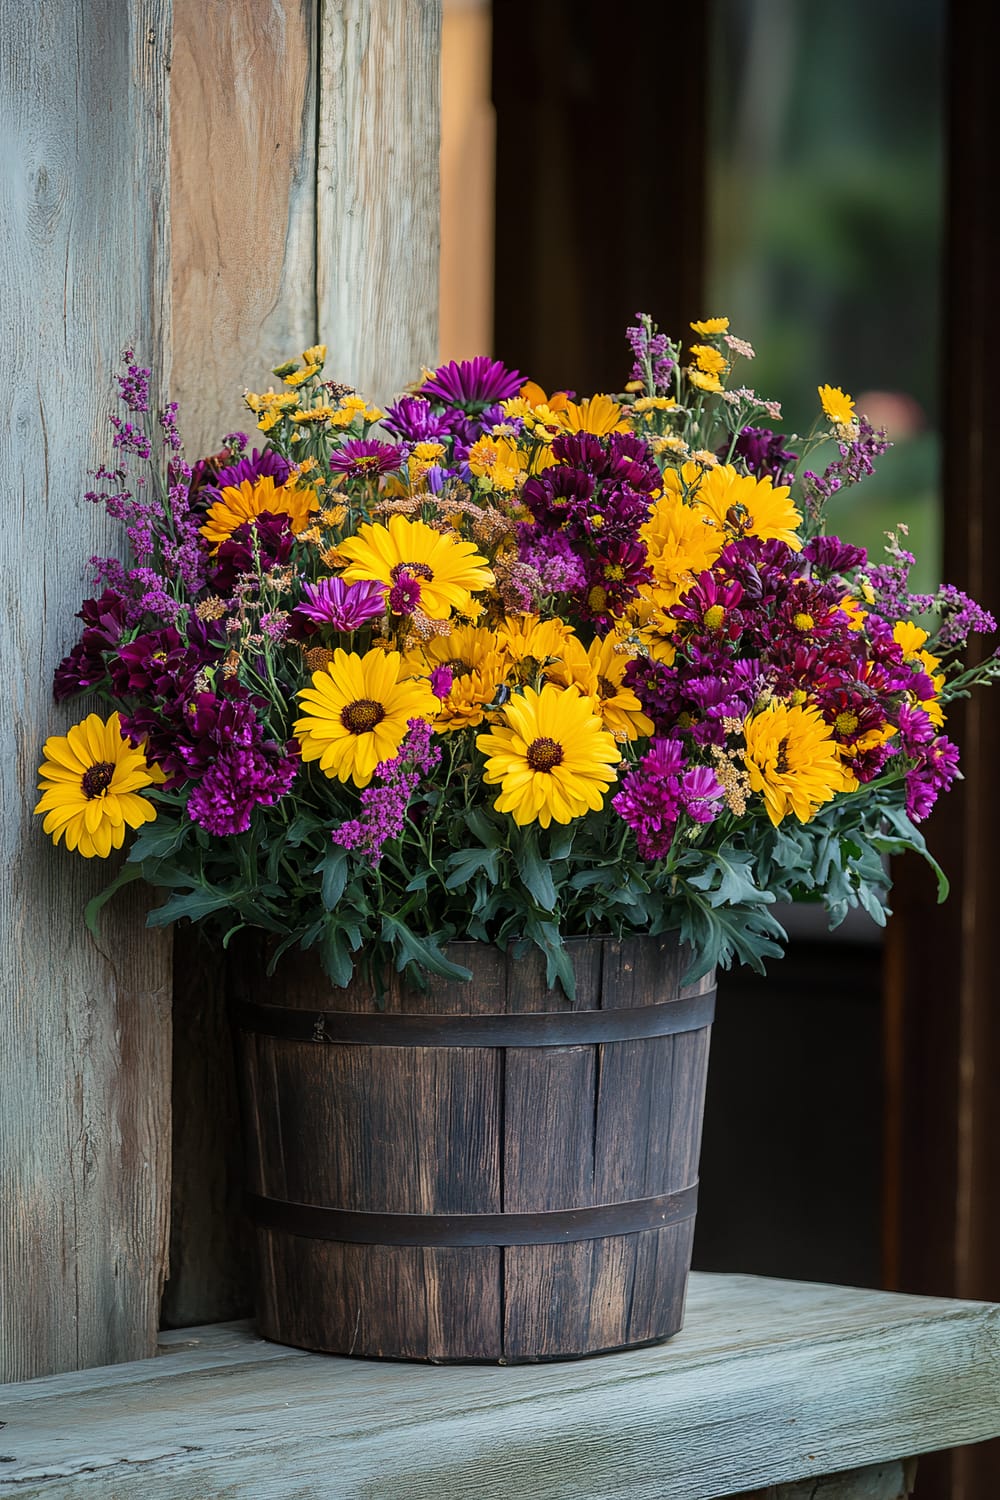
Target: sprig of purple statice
x: 386, y: 800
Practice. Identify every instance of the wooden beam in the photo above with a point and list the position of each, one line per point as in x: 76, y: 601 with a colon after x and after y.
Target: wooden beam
x: 378, y: 221
x: 84, y: 1028
x: 769, y: 1383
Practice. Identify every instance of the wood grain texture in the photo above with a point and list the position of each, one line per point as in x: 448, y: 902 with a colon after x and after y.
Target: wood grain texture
x: 378, y: 227
x: 243, y: 203
x: 770, y: 1383
x: 84, y: 1029
x: 445, y: 1129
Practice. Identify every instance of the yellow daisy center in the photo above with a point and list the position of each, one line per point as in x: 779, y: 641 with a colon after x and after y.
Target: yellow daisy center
x: 544, y: 754
x: 361, y: 716
x: 803, y: 622
x: 96, y: 779
x: 713, y: 617
x: 846, y: 722
x: 412, y: 570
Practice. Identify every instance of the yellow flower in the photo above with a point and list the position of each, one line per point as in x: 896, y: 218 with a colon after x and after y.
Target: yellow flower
x: 681, y: 542
x: 649, y: 404
x: 90, y: 781
x: 313, y: 414
x: 301, y: 376
x: 749, y: 505
x: 838, y: 407
x: 911, y: 638
x: 709, y: 359
x: 249, y: 500
x: 478, y: 670
x: 534, y: 396
x: 316, y: 355
x: 793, y: 760
x: 529, y: 644
x: 708, y: 326
x: 356, y: 712
x: 448, y: 570
x: 599, y: 671
x: 598, y: 415
x: 552, y: 759
x: 497, y: 459
x: 703, y: 381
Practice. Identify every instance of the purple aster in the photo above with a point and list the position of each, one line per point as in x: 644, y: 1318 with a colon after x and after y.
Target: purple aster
x: 273, y: 537
x: 366, y: 458
x: 701, y: 794
x: 344, y: 606
x: 936, y: 772
x: 442, y: 680
x: 404, y: 596
x: 415, y: 420
x: 472, y: 383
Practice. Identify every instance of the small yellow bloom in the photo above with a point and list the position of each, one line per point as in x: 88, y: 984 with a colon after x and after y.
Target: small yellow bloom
x: 299, y: 377
x: 598, y: 415
x: 703, y: 381
x: 709, y: 360
x: 316, y: 355
x: 838, y: 407
x: 708, y: 326
x: 793, y: 760
x: 552, y: 758
x: 313, y: 414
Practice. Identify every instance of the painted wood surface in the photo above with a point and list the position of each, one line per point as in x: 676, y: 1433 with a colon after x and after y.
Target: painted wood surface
x: 891, y: 1481
x: 378, y: 228
x: 769, y: 1383
x: 84, y: 1039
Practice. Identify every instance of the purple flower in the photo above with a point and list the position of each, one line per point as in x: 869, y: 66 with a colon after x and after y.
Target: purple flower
x: 472, y: 383
x: 235, y: 558
x: 442, y: 679
x: 763, y: 453
x: 936, y: 772
x: 85, y: 666
x: 344, y: 606
x: 701, y: 794
x: 242, y: 778
x: 366, y: 458
x: 414, y: 419
x: 856, y: 462
x: 385, y: 802
x: 404, y: 596
x: 829, y: 555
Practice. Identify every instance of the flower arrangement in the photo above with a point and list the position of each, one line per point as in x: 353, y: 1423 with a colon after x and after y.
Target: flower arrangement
x: 503, y: 665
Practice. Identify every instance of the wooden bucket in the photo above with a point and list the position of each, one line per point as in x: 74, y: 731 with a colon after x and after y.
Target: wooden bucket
x: 484, y: 1171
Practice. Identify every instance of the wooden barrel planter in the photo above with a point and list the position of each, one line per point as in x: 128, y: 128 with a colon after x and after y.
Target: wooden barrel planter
x: 483, y: 1171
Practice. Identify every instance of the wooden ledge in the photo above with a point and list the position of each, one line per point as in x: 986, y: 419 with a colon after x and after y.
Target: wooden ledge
x: 769, y: 1382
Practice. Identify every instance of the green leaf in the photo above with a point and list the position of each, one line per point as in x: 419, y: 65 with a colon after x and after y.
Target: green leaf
x: 334, y: 869
x: 486, y: 832
x: 421, y: 951
x: 558, y: 966
x: 157, y: 840
x: 191, y: 904
x: 93, y: 908
x: 337, y: 962
x: 536, y: 874
x: 908, y: 836
x: 464, y: 863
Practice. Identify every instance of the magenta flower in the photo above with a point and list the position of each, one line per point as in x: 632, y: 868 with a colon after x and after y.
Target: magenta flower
x: 365, y: 458
x: 473, y: 383
x: 344, y: 606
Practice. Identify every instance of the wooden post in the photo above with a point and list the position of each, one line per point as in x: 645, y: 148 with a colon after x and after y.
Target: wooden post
x: 304, y: 206
x: 84, y: 1039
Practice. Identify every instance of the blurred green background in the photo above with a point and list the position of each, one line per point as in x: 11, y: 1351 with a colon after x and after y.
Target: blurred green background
x: 826, y: 207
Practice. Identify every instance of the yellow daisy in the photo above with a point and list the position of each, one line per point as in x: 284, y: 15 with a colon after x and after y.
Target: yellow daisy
x: 598, y: 415
x: 498, y: 460
x: 552, y: 759
x: 793, y: 761
x: 251, y: 499
x: 708, y: 326
x: 90, y: 781
x: 529, y: 643
x: 837, y: 407
x: 749, y: 505
x: 599, y: 672
x: 709, y: 359
x: 704, y: 381
x: 356, y: 713
x: 448, y: 570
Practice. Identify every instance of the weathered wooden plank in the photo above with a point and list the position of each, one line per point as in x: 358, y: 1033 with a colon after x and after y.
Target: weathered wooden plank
x: 769, y: 1383
x: 378, y: 229
x: 892, y: 1481
x: 243, y: 203
x: 84, y: 1030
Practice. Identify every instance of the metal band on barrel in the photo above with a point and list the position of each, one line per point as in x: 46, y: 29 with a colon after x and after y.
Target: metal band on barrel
x: 541, y: 1029
x: 561, y: 1226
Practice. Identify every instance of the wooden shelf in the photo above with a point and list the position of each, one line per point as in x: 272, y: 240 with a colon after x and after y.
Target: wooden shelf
x: 769, y: 1382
